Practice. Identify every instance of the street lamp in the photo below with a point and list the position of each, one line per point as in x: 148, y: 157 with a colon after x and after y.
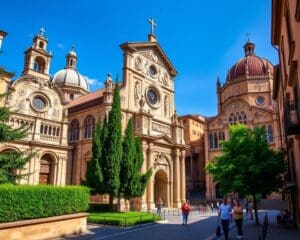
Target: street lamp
x: 2, y: 36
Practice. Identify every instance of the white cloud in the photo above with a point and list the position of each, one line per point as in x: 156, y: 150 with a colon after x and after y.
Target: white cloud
x: 93, y: 81
x: 60, y: 46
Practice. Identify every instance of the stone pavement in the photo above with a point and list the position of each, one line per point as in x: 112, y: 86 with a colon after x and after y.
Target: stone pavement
x: 275, y: 231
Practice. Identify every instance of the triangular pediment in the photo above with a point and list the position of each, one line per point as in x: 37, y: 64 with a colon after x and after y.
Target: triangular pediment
x: 155, y: 48
x: 163, y: 139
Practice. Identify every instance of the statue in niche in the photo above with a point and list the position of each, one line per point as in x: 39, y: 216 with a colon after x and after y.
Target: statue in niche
x: 137, y: 93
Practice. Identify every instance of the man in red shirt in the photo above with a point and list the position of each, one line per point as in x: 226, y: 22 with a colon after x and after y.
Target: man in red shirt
x: 185, y: 212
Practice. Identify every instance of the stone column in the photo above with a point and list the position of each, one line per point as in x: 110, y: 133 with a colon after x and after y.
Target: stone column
x: 150, y: 187
x: 183, y: 181
x: 144, y: 169
x: 176, y: 179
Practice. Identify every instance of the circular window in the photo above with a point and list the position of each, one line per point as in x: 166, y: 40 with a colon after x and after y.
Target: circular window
x: 152, y: 96
x: 152, y: 71
x: 39, y: 103
x: 260, y: 100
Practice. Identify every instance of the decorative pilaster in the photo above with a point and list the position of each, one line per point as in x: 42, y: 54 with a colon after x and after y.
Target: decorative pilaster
x: 150, y: 187
x: 183, y: 181
x: 176, y: 179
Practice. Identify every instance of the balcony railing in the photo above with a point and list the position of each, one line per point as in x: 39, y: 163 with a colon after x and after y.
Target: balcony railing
x: 292, y: 118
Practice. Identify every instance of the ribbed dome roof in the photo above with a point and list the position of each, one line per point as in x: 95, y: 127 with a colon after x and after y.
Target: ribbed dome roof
x: 250, y: 65
x: 70, y: 77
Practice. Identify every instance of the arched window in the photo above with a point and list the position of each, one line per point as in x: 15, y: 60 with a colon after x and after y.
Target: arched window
x: 41, y: 45
x: 54, y: 131
x: 57, y: 132
x: 245, y: 119
x: 211, y: 141
x: 216, y: 142
x: 74, y: 130
x: 270, y: 136
x: 45, y: 129
x: 42, y: 129
x: 89, y: 126
x: 39, y: 65
x: 50, y: 130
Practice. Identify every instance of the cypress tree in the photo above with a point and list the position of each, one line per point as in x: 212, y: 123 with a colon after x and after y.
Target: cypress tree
x: 133, y: 181
x: 94, y: 178
x: 127, y: 164
x: 113, y: 148
x: 141, y: 179
x: 10, y: 161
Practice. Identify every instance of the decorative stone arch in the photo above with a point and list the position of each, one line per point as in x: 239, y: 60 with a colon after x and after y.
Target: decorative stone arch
x: 162, y: 179
x: 39, y: 64
x: 48, y: 168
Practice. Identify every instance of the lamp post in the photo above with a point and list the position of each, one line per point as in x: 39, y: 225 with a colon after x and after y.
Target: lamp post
x: 2, y: 36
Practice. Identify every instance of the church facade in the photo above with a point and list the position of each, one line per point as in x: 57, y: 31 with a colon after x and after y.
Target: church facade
x: 36, y: 103
x: 62, y: 114
x: 245, y: 98
x: 147, y: 96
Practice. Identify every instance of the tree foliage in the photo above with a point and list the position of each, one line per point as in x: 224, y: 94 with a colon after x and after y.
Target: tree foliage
x: 94, y: 177
x: 11, y: 161
x: 113, y: 147
x: 248, y: 166
x: 133, y: 182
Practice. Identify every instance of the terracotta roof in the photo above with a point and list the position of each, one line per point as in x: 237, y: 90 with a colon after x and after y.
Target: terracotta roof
x: 255, y: 66
x: 86, y: 98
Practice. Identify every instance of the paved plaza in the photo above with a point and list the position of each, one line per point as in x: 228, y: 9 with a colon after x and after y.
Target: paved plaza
x: 201, y: 227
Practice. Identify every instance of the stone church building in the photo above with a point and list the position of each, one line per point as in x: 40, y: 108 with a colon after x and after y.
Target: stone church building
x: 62, y: 114
x: 246, y: 97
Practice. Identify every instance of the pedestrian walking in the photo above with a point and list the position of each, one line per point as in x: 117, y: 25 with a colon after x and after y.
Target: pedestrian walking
x: 225, y: 215
x: 212, y: 206
x: 185, y: 212
x: 159, y: 206
x: 238, y: 218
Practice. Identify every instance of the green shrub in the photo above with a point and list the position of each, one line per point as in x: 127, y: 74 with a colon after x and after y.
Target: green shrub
x: 20, y: 202
x: 122, y: 219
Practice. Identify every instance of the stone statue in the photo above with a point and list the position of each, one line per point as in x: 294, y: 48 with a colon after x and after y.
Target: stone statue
x: 137, y: 93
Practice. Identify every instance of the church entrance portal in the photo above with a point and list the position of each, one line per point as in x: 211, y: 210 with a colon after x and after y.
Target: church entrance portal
x: 161, y: 187
x: 46, y: 170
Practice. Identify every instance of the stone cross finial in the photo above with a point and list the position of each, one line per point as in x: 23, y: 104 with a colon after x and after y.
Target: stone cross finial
x: 248, y: 36
x: 153, y: 25
x: 42, y: 31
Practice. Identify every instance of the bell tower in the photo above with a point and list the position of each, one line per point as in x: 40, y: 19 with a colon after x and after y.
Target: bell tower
x: 37, y: 58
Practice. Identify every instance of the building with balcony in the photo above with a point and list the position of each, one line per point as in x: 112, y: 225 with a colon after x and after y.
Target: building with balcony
x: 286, y: 39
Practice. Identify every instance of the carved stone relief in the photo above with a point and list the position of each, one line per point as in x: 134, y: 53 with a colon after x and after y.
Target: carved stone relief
x: 161, y: 128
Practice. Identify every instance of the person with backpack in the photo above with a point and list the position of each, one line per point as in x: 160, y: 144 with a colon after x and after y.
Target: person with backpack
x: 185, y: 212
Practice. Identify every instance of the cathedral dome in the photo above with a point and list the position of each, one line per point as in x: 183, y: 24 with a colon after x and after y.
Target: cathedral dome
x: 250, y: 65
x: 70, y: 76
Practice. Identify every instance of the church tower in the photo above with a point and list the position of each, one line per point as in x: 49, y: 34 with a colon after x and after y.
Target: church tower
x: 37, y: 58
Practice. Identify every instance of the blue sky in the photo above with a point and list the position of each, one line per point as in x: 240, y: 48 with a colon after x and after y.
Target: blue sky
x: 203, y: 39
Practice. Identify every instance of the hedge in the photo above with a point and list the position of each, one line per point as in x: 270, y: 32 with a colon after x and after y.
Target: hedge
x: 20, y: 202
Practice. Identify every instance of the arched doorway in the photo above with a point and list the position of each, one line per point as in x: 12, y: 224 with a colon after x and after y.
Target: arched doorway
x: 161, y: 187
x: 46, y: 169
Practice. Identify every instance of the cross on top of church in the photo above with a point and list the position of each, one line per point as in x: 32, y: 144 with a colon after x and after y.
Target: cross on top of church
x: 248, y: 36
x: 42, y: 31
x: 153, y: 25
